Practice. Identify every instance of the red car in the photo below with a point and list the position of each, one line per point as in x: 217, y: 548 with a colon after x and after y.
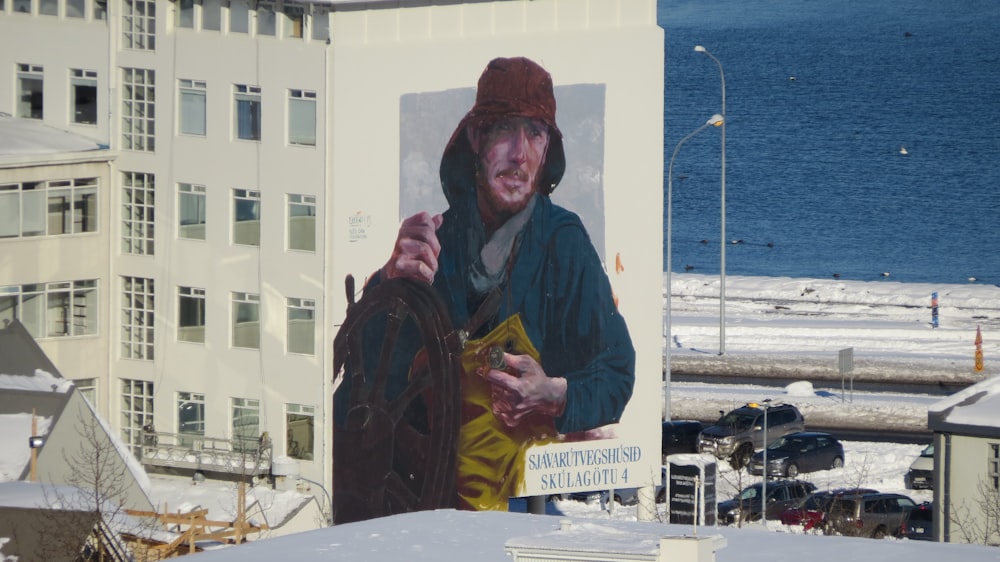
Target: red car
x: 811, y: 511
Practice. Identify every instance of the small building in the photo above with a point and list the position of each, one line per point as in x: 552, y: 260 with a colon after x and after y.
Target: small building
x: 50, y: 433
x: 966, y: 428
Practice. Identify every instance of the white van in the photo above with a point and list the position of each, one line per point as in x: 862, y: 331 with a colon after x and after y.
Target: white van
x: 921, y: 473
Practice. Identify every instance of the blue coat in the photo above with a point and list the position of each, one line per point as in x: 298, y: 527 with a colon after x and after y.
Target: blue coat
x: 558, y: 285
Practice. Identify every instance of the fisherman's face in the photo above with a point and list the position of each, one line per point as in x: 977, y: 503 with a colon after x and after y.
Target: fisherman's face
x: 511, y: 154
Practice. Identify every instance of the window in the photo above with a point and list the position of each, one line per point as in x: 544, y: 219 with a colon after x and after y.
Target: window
x: 138, y: 109
x: 247, y: 104
x: 191, y: 314
x: 301, y: 334
x: 22, y: 6
x: 184, y: 14
x: 139, y: 24
x: 302, y: 222
x: 48, y: 7
x: 50, y: 208
x: 246, y: 320
x: 138, y: 204
x: 52, y: 310
x: 100, y: 9
x: 191, y: 211
x: 88, y: 388
x: 136, y: 412
x: 299, y: 421
x: 239, y: 16
x: 29, y: 91
x: 246, y: 424
x: 83, y: 96
x: 265, y: 18
x: 211, y: 15
x: 302, y: 117
x: 138, y: 299
x: 293, y: 20
x: 320, y: 23
x: 192, y: 110
x: 993, y: 467
x: 246, y: 217
x: 76, y: 8
x: 190, y: 417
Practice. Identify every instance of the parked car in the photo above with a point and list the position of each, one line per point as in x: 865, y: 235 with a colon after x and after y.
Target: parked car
x: 680, y: 436
x: 920, y: 523
x: 740, y: 432
x: 811, y: 512
x: 870, y: 515
x: 804, y: 451
x: 747, y: 506
x: 921, y: 473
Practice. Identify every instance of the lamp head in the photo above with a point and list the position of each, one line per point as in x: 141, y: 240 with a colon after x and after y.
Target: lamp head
x: 716, y: 120
x: 699, y: 49
x: 36, y: 441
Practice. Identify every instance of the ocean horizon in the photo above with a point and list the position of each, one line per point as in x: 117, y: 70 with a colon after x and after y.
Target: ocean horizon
x: 859, y: 138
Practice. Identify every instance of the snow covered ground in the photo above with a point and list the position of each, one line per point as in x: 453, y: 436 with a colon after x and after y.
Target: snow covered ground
x: 794, y: 328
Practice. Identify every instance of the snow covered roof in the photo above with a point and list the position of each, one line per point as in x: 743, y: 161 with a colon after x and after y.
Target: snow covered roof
x: 31, y: 136
x: 974, y: 411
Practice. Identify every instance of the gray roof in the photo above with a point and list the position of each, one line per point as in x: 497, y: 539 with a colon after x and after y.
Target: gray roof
x: 19, y: 354
x: 27, y: 137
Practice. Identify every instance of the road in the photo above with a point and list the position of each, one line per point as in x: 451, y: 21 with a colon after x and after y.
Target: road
x: 872, y: 416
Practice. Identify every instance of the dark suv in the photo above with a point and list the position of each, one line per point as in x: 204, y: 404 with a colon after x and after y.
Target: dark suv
x: 680, y: 436
x: 781, y: 495
x: 869, y: 515
x: 740, y: 432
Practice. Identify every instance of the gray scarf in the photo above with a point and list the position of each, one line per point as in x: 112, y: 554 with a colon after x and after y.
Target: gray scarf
x: 487, y: 270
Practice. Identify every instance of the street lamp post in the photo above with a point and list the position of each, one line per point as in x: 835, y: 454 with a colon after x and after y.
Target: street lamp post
x: 715, y: 121
x: 763, y: 485
x: 722, y: 236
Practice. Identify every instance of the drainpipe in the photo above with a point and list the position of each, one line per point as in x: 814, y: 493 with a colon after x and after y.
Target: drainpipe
x: 945, y: 488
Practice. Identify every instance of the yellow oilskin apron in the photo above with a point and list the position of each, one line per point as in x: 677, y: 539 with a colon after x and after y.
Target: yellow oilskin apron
x: 490, y: 454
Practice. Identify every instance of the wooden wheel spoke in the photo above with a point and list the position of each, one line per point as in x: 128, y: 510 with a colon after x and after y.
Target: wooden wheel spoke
x: 356, y: 358
x: 396, y: 489
x: 398, y: 405
x: 394, y: 324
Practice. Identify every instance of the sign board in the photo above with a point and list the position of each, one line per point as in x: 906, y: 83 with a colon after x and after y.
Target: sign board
x: 691, y: 489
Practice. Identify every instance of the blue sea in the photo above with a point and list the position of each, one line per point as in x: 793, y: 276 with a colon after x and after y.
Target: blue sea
x: 862, y: 137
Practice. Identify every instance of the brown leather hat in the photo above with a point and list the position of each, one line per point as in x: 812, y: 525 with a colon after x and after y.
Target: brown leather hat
x: 508, y: 87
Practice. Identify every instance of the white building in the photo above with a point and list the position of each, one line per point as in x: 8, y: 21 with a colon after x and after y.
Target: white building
x: 188, y: 272
x: 966, y: 428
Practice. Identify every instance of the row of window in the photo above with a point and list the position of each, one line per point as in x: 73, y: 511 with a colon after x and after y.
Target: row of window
x: 266, y: 19
x: 192, y: 116
x: 139, y: 106
x: 300, y: 323
x: 48, y: 208
x: 70, y: 206
x: 76, y: 9
x: 70, y: 308
x: 257, y: 18
x: 137, y: 406
x: 82, y: 94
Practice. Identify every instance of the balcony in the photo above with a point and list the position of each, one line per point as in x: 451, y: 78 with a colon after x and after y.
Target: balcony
x: 239, y: 456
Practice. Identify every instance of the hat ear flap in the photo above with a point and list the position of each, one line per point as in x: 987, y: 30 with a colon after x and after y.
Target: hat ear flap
x: 458, y: 168
x: 555, y: 165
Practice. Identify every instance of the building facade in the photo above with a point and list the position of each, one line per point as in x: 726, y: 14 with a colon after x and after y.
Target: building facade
x: 238, y: 142
x: 966, y: 430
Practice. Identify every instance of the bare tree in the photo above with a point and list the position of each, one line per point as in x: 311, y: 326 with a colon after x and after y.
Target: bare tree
x: 99, y: 480
x: 978, y: 520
